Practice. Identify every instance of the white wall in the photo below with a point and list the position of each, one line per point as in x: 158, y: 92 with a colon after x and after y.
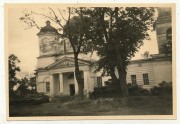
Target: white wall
x: 43, y: 62
x: 139, y: 69
x: 42, y: 78
x: 105, y: 79
x: 41, y: 87
x: 163, y: 71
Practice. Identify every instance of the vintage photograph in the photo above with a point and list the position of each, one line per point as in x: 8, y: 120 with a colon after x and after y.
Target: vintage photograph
x: 90, y: 61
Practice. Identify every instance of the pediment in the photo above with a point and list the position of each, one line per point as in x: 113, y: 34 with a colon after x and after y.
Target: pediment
x: 66, y: 62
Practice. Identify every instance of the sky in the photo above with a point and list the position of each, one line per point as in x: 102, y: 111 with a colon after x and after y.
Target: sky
x: 24, y: 43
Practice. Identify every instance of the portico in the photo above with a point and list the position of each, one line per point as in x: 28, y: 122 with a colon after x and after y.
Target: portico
x: 65, y: 83
x: 63, y: 80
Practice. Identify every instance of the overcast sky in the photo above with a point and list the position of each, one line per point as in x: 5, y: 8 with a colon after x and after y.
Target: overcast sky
x: 24, y: 43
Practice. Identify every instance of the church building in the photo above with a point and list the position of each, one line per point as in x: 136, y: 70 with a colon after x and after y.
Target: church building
x: 56, y: 71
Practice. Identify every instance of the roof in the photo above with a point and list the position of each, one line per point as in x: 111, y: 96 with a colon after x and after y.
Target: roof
x: 154, y: 57
x: 65, y: 62
x: 69, y: 61
x: 47, y: 29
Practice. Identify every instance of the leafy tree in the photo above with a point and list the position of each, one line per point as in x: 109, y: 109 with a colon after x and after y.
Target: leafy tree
x: 22, y: 89
x: 32, y: 83
x: 75, y: 30
x: 118, y: 34
x: 28, y: 78
x: 13, y: 69
x: 28, y: 81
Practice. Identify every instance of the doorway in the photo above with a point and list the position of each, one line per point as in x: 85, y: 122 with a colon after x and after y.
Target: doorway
x: 72, y: 89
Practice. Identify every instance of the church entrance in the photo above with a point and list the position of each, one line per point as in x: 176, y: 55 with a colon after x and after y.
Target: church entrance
x: 72, y: 89
x: 68, y: 84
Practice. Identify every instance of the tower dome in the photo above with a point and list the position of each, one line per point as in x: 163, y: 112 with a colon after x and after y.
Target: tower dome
x: 47, y: 29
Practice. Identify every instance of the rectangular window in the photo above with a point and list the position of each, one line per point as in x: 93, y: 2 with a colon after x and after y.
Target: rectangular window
x: 99, y: 81
x: 47, y: 87
x: 133, y: 79
x: 146, y: 79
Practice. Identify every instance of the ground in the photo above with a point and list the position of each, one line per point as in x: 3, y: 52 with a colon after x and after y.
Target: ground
x: 133, y: 105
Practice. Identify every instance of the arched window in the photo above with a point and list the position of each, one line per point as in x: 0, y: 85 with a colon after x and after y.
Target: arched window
x: 166, y: 48
x: 47, y: 84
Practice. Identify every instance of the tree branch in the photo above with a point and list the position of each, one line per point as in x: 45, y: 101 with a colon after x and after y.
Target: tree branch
x: 35, y: 24
x: 68, y: 34
x: 62, y: 15
x: 104, y: 27
x: 110, y: 27
x: 80, y: 43
x: 56, y: 18
x: 44, y: 16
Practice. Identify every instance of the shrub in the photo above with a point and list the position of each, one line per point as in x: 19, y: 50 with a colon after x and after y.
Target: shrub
x: 164, y: 88
x: 12, y: 94
x: 154, y: 91
x: 30, y: 99
x: 107, y: 83
x: 145, y: 92
x: 135, y: 90
x: 165, y: 84
x: 105, y: 92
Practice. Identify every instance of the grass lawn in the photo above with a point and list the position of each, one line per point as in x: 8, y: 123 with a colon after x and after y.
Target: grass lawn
x: 134, y: 105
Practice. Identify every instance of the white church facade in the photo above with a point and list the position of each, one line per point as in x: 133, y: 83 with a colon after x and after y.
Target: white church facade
x: 56, y: 71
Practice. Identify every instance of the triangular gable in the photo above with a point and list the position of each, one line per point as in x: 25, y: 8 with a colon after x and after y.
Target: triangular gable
x: 67, y: 62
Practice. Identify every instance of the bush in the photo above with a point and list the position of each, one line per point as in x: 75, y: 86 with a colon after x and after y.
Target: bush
x: 107, y: 83
x: 155, y: 91
x: 145, y: 92
x: 30, y: 99
x: 105, y: 92
x: 164, y: 88
x: 165, y: 84
x: 135, y: 90
x: 12, y: 94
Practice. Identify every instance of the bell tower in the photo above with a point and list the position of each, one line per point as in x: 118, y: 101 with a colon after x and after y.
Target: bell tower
x: 49, y: 43
x: 163, y: 27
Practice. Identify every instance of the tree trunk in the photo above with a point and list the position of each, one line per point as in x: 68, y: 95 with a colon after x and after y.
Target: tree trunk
x: 122, y: 76
x: 115, y: 82
x: 78, y: 77
x: 113, y: 76
x: 121, y: 66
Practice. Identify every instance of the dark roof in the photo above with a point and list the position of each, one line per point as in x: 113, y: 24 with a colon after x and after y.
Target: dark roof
x: 47, y: 28
x: 154, y: 57
x: 58, y: 61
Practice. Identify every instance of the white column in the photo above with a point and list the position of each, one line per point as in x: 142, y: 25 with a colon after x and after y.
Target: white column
x: 75, y: 84
x: 85, y: 73
x: 51, y: 85
x: 61, y: 82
